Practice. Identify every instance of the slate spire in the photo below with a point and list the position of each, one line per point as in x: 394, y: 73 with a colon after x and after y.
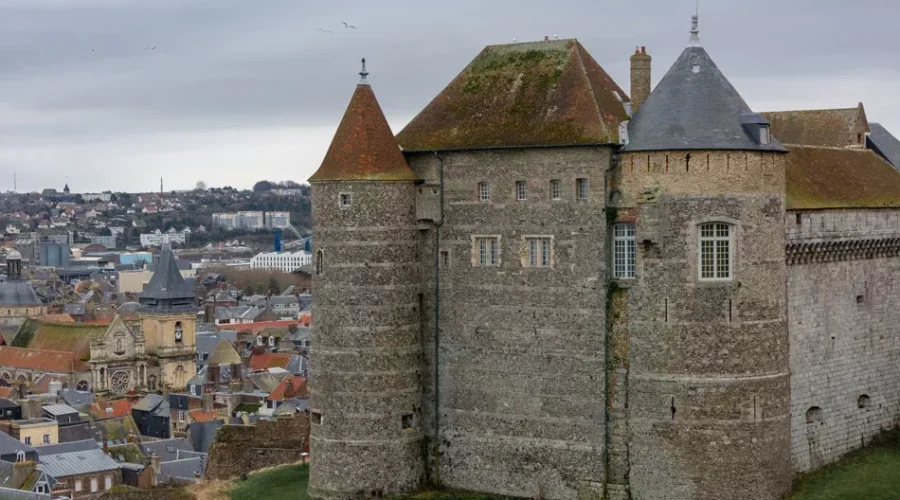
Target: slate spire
x: 364, y: 148
x: 167, y: 290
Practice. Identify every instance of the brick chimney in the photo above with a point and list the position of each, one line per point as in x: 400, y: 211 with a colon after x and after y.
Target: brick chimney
x: 212, y: 372
x: 208, y: 405
x: 640, y: 78
x: 155, y: 466
x: 289, y: 389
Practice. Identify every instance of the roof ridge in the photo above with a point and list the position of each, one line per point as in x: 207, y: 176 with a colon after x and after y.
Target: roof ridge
x: 579, y: 57
x: 815, y: 110
x: 67, y: 353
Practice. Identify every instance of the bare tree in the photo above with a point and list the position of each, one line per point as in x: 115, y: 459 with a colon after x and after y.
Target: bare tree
x: 201, y: 186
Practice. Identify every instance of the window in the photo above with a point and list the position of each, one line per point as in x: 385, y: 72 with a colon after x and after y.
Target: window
x: 813, y: 415
x: 107, y: 483
x: 78, y: 485
x: 764, y: 137
x: 487, y: 251
x: 484, y: 191
x: 555, y: 189
x: 181, y: 415
x: 316, y: 418
x: 20, y: 456
x: 581, y: 189
x: 715, y: 251
x: 538, y: 252
x: 521, y: 191
x: 320, y: 261
x: 408, y: 421
x: 623, y: 250
x: 864, y: 401
x: 445, y: 258
x: 346, y: 200
x: 46, y: 438
x: 93, y: 485
x: 28, y: 440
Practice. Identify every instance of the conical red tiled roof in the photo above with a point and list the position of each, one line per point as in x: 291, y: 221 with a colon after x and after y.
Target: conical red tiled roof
x: 364, y: 148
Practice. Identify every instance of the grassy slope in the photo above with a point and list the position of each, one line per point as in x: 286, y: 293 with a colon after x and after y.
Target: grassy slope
x: 282, y: 483
x: 871, y: 474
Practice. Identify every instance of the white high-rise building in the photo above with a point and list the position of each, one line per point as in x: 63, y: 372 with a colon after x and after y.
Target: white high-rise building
x: 281, y: 261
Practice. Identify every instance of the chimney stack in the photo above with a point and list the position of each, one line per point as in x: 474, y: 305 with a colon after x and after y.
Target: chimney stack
x: 640, y: 78
x: 208, y: 405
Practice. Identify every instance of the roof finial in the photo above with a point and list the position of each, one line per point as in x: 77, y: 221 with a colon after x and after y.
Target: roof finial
x: 363, y: 73
x: 695, y: 28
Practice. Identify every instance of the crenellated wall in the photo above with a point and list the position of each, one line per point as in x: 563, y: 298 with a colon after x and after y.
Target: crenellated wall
x: 843, y: 284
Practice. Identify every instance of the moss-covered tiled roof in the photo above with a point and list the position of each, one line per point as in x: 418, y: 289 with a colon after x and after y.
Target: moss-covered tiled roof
x: 819, y: 127
x: 66, y: 337
x: 364, y: 148
x: 546, y: 93
x: 819, y: 178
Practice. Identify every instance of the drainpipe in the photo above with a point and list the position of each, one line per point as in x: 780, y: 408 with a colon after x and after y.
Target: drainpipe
x: 437, y: 325
x: 606, y: 343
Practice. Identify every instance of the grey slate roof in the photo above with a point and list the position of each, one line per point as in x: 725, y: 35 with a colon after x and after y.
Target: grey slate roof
x: 18, y: 293
x: 167, y: 449
x: 693, y: 107
x: 76, y: 398
x: 148, y: 403
x: 59, y: 410
x: 203, y: 434
x: 6, y: 475
x: 11, y: 494
x: 185, y: 469
x: 77, y: 463
x: 10, y: 445
x: 76, y: 432
x: 55, y: 449
x: 884, y: 143
x: 167, y: 290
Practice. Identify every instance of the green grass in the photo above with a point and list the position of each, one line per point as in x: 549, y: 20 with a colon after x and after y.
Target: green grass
x: 282, y: 483
x: 451, y: 495
x: 872, y: 473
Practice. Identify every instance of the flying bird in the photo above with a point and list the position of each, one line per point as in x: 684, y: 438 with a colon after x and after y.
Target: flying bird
x: 325, y: 31
x: 348, y: 25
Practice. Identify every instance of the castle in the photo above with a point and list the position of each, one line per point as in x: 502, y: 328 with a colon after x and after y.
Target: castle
x: 544, y: 288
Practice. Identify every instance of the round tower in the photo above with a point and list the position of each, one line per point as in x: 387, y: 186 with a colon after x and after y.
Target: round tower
x: 365, y: 389
x: 703, y: 299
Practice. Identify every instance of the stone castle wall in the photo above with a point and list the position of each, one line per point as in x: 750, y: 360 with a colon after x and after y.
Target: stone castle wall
x: 521, y: 364
x: 843, y: 284
x: 705, y: 362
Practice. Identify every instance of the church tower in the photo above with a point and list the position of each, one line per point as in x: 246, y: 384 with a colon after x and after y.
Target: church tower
x: 168, y: 316
x: 365, y: 398
x: 697, y: 299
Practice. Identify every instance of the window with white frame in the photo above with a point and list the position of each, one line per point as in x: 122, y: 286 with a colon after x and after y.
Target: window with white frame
x: 107, y: 482
x: 484, y: 191
x: 78, y: 485
x: 581, y: 189
x: 715, y: 251
x: 555, y: 189
x: 538, y: 251
x: 521, y: 190
x: 487, y: 251
x: 764, y: 136
x: 346, y: 200
x: 623, y: 250
x: 93, y: 485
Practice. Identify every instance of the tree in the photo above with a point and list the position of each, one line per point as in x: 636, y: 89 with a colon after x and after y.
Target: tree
x: 201, y: 186
x: 248, y: 290
x: 263, y: 186
x: 274, y: 287
x: 105, y: 231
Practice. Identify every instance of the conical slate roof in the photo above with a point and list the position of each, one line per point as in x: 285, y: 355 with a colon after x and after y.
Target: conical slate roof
x: 364, y: 148
x: 547, y: 93
x: 167, y: 290
x: 694, y: 107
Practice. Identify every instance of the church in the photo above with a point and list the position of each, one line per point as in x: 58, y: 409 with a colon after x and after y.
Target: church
x: 147, y: 351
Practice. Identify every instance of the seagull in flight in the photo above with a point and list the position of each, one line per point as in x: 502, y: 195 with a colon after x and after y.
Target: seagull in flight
x: 348, y: 25
x: 325, y: 31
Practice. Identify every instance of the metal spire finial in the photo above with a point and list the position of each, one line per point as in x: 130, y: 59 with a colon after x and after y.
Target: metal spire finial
x: 363, y: 73
x: 695, y: 28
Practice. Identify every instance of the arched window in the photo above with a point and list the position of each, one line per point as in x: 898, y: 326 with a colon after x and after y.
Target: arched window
x: 82, y: 386
x: 271, y: 341
x: 120, y: 346
x: 863, y: 401
x: 259, y: 340
x: 320, y: 261
x: 151, y: 382
x: 814, y: 415
x: 716, y: 251
x: 20, y: 456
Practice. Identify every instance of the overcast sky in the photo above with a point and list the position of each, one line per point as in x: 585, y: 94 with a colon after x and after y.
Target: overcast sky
x: 243, y: 90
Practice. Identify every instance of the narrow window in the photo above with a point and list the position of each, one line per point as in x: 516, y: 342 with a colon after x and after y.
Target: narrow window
x: 859, y: 138
x: 315, y: 418
x: 28, y: 440
x: 715, y: 251
x: 814, y: 414
x: 521, y: 191
x: 78, y: 485
x: 764, y: 137
x: 93, y: 485
x: 799, y: 218
x: 484, y: 191
x: 581, y: 189
x: 46, y: 438
x: 408, y: 421
x: 445, y: 258
x: 107, y: 482
x: 863, y: 401
x: 623, y: 250
x: 555, y: 189
x: 320, y: 258
x: 346, y: 200
x: 487, y: 251
x: 538, y: 252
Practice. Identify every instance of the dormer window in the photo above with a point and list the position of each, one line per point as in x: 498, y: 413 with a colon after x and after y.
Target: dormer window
x: 764, y: 137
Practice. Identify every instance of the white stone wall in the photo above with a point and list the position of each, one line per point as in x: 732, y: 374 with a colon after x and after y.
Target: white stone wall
x: 844, y: 327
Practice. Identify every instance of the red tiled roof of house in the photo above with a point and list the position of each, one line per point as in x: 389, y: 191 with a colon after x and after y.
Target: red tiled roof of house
x: 364, y: 148
x: 112, y: 408
x: 265, y: 360
x: 203, y: 416
x: 50, y: 361
x: 298, y: 390
x: 6, y: 392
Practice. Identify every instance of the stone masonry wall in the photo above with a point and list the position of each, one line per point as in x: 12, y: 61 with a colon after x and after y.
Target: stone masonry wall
x: 240, y: 449
x: 706, y: 362
x: 844, y: 333
x: 521, y: 360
